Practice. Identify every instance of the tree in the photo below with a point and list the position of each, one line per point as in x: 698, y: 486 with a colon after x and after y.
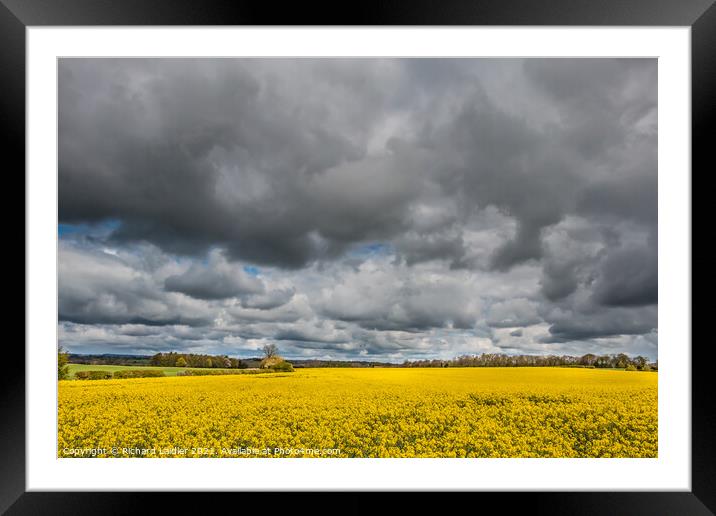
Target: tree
x: 62, y: 368
x: 270, y: 350
x: 602, y: 361
x: 181, y: 362
x: 622, y: 360
x: 588, y: 359
x: 639, y: 362
x: 283, y: 366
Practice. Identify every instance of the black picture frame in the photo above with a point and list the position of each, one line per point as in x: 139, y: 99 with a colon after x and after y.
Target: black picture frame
x: 17, y: 15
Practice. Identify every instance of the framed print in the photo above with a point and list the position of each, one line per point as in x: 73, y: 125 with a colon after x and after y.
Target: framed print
x: 434, y: 250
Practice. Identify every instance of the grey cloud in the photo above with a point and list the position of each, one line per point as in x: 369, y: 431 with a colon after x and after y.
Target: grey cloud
x: 572, y: 250
x: 215, y: 280
x: 506, y: 162
x: 389, y: 299
x: 316, y: 333
x: 526, y: 245
x: 631, y: 197
x: 513, y: 312
x: 268, y: 300
x: 591, y: 321
x: 96, y: 287
x: 416, y: 248
x: 296, y: 308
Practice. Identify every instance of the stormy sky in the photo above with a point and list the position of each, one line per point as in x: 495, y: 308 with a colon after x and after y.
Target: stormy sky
x: 376, y: 209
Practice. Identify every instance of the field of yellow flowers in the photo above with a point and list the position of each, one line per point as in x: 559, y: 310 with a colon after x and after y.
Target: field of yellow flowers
x: 452, y: 412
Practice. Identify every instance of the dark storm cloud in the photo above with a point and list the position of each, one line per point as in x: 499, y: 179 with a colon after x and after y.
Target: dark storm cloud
x: 194, y: 153
x: 585, y: 316
x: 432, y: 247
x: 507, y: 164
x: 188, y: 154
x: 634, y: 198
x: 558, y: 280
x: 398, y: 197
x: 604, y: 323
x: 628, y: 276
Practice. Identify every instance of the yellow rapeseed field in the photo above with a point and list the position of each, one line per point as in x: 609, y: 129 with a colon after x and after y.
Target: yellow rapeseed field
x: 452, y: 412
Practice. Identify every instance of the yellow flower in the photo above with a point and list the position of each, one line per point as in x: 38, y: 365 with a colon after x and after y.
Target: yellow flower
x: 453, y: 412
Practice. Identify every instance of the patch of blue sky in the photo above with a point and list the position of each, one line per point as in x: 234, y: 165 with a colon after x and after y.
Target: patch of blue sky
x: 98, y: 230
x: 64, y: 230
x: 251, y: 270
x: 373, y: 249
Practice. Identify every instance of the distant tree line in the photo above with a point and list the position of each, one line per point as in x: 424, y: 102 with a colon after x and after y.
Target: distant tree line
x: 109, y: 359
x: 617, y: 361
x: 173, y: 359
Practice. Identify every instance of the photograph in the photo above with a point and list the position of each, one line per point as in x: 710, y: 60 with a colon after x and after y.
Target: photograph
x: 357, y: 257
